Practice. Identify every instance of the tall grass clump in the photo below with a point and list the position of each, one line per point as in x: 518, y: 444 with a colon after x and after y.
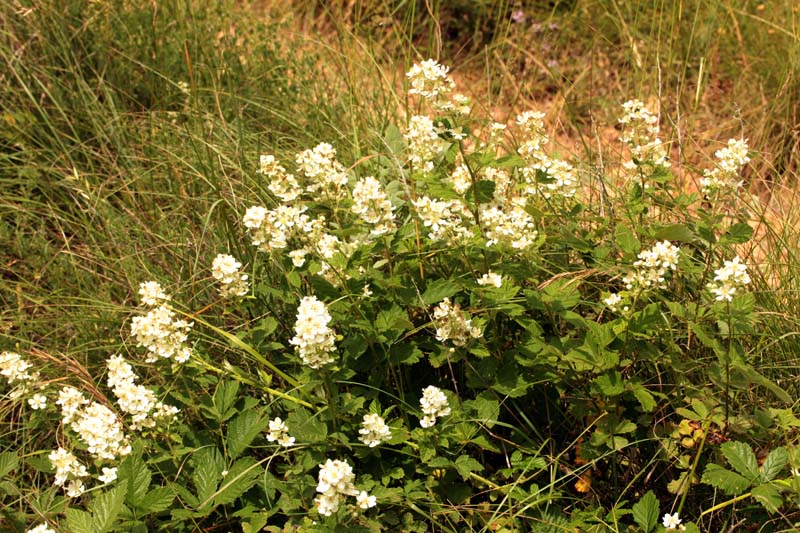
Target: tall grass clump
x: 251, y: 286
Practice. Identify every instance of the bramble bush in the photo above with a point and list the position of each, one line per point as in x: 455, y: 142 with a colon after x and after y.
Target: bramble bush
x: 464, y: 331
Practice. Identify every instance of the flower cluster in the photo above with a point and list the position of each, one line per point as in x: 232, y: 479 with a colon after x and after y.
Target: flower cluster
x: 374, y: 430
x: 225, y: 269
x: 323, y: 171
x: 495, y: 280
x: 278, y: 432
x: 444, y: 218
x: 100, y: 429
x: 429, y: 79
x: 162, y: 335
x: 272, y: 229
x: 727, y: 279
x: 652, y: 266
x: 543, y: 174
x: 433, y: 404
x: 423, y: 142
x: 313, y: 340
x: 151, y: 294
x: 16, y: 370
x: 512, y: 226
x: 335, y: 482
x: 68, y: 469
x: 452, y: 324
x: 281, y: 184
x: 136, y: 400
x: 730, y: 161
x: 372, y: 205
x: 641, y: 136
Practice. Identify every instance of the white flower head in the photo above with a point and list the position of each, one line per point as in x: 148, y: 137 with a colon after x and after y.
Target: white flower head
x: 490, y: 278
x: 314, y: 339
x: 225, y: 269
x: 453, y: 324
x: 335, y: 482
x: 374, y: 430
x: 152, y: 294
x: 38, y: 401
x: 671, y: 521
x: 278, y: 432
x: 41, y: 528
x: 731, y: 276
x: 109, y: 475
x: 365, y: 501
x: 434, y: 404
x: 429, y: 79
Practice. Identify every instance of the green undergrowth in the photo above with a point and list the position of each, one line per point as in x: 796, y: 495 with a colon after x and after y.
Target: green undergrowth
x: 600, y: 338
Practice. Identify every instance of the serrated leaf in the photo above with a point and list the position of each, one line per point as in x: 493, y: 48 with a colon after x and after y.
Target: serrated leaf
x: 79, y: 521
x: 466, y: 464
x: 742, y: 459
x: 438, y: 290
x: 224, y: 398
x: 728, y: 482
x: 242, y: 430
x: 8, y: 462
x: 135, y: 476
x: 645, y: 511
x: 241, y: 476
x: 644, y: 396
x: 305, y: 427
x: 769, y: 496
x: 773, y: 464
x: 156, y: 500
x: 207, y: 472
x: 106, y: 507
x: 610, y: 384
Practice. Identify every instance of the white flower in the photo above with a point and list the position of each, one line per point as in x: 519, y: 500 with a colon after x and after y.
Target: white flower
x: 151, y: 294
x: 41, y: 528
x: 444, y: 218
x: 71, y: 401
x: 14, y: 367
x: 67, y: 466
x: 162, y: 335
x: 652, y: 266
x: 372, y: 205
x: 313, y: 340
x: 429, y: 79
x: 335, y: 482
x: 38, y: 401
x: 100, y: 429
x: 423, y: 142
x: 365, y: 501
x: 75, y: 488
x: 671, y: 521
x: 298, y: 257
x: 453, y: 324
x: 324, y: 173
x: 374, y: 430
x: 641, y: 136
x: 225, y: 269
x: 492, y: 279
x: 434, y: 404
x: 278, y: 432
x: 136, y: 400
x: 109, y: 475
x: 612, y: 300
x: 727, y: 279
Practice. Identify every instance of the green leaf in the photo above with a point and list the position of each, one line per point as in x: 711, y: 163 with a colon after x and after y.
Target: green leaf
x: 79, y: 521
x: 644, y: 396
x: 742, y: 459
x: 224, y: 398
x: 242, y: 475
x: 156, y: 500
x: 626, y: 240
x: 242, y: 430
x: 773, y: 464
x: 610, y: 384
x: 106, y: 507
x: 675, y: 232
x: 485, y: 191
x: 135, y: 476
x: 8, y: 462
x: 728, y: 482
x: 438, y: 290
x: 737, y: 234
x: 305, y: 427
x: 645, y: 511
x: 769, y: 496
x: 755, y: 377
x: 466, y: 464
x: 207, y: 471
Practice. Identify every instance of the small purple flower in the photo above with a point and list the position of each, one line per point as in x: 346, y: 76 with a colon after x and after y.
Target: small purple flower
x: 518, y: 16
